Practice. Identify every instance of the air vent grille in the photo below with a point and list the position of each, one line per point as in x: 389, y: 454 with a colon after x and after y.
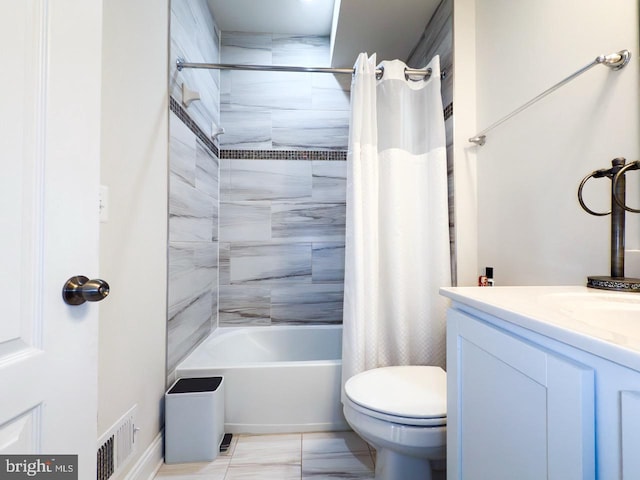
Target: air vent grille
x: 106, y: 465
x: 116, y: 446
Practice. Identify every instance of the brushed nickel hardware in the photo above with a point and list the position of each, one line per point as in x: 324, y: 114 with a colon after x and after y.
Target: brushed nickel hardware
x: 615, y: 61
x: 80, y: 289
x: 181, y: 63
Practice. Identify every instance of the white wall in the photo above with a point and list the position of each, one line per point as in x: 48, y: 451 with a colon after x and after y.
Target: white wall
x: 464, y: 156
x: 134, y: 241
x: 530, y: 225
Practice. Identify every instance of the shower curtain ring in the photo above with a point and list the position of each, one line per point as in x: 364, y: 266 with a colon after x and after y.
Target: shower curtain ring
x: 423, y: 76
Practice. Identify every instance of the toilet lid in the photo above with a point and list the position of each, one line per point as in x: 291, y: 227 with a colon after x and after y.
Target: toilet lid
x: 405, y: 391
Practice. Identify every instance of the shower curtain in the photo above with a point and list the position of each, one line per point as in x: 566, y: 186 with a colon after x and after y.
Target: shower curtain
x: 397, y: 241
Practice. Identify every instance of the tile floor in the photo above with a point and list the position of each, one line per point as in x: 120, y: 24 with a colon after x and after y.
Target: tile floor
x: 294, y: 456
x: 330, y: 455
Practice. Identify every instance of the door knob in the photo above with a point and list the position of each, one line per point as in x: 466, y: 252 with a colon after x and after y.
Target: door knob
x: 80, y: 289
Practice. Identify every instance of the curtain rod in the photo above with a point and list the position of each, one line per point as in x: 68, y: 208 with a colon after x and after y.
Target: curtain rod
x: 614, y: 61
x: 181, y: 63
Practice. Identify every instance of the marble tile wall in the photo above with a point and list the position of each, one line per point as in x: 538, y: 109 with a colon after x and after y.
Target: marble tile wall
x: 193, y: 241
x: 282, y: 226
x: 437, y: 39
x: 280, y: 251
x: 194, y: 174
x: 281, y: 216
x: 195, y: 37
x: 282, y: 110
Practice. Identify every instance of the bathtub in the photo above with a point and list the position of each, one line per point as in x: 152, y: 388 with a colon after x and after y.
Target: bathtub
x: 277, y: 379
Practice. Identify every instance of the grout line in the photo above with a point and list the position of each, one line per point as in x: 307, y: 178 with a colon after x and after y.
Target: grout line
x: 226, y: 470
x: 256, y: 467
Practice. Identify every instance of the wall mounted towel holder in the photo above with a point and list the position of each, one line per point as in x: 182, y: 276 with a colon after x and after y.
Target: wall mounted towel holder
x: 614, y: 61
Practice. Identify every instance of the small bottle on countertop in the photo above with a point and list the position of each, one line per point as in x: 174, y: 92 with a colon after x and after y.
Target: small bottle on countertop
x: 489, y: 275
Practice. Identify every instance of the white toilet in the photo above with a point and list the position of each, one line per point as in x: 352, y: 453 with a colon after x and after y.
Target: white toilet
x: 402, y: 412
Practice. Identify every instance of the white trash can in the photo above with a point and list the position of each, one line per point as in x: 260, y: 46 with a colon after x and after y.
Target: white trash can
x: 194, y: 420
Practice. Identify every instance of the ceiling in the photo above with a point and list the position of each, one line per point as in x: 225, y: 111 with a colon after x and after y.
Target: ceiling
x: 390, y: 28
x: 303, y: 17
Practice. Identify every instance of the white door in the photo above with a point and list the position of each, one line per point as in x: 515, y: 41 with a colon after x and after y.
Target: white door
x: 49, y: 155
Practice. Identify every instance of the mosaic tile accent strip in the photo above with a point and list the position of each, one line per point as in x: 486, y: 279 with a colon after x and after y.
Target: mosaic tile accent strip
x: 331, y: 155
x: 327, y: 155
x: 448, y: 111
x: 334, y: 155
x: 175, y: 107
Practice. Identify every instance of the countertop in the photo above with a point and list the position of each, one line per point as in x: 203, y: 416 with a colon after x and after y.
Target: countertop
x: 604, y: 323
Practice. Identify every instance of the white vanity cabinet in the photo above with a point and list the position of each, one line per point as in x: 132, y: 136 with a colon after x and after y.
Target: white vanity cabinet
x: 524, y: 405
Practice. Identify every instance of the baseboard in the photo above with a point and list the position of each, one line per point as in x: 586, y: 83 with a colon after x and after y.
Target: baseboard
x: 149, y: 463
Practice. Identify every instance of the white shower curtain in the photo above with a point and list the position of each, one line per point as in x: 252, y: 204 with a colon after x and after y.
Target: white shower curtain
x: 397, y: 241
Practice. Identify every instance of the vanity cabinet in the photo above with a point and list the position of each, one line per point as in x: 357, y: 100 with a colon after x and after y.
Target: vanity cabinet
x: 525, y: 406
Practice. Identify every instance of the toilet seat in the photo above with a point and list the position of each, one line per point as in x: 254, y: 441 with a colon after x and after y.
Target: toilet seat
x: 407, y: 395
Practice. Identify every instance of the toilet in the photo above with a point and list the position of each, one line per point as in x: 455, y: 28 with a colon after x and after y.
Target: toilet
x: 402, y: 412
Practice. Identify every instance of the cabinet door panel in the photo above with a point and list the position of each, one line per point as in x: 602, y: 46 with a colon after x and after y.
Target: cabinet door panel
x: 524, y: 357
x: 630, y: 422
x: 515, y: 409
x: 503, y: 414
x: 570, y: 419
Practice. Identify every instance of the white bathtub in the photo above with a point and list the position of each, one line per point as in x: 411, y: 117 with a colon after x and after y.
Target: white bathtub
x: 277, y: 379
